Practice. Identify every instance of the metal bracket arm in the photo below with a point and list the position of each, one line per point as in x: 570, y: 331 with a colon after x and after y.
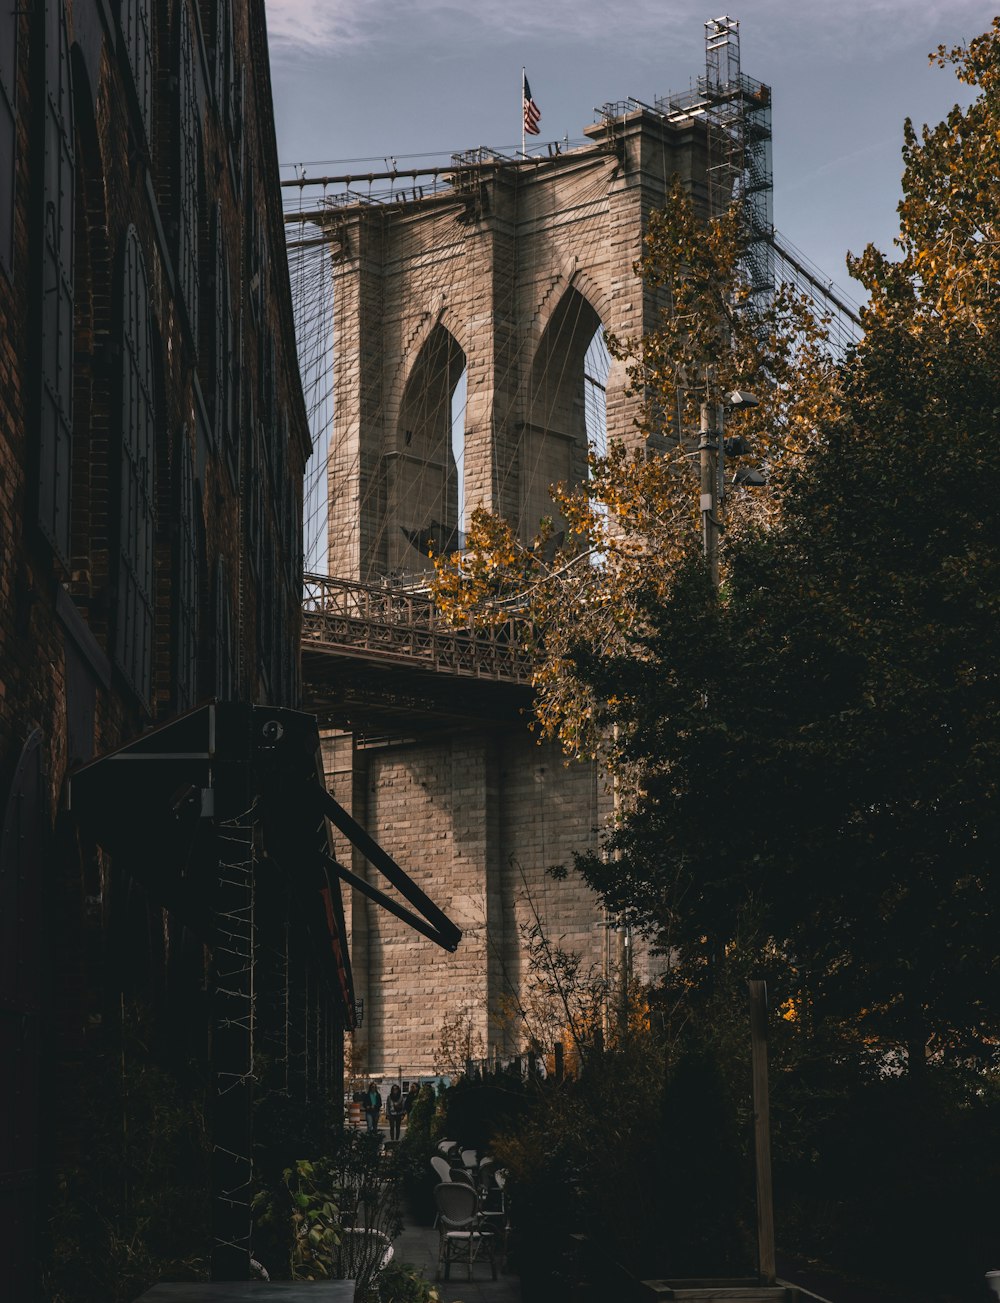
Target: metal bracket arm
x: 393, y: 906
x: 434, y: 923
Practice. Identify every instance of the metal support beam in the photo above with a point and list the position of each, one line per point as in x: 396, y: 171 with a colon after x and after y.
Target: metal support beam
x: 438, y: 926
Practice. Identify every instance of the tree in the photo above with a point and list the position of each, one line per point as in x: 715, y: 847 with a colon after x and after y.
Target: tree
x: 808, y: 755
x: 636, y: 519
x: 819, y: 744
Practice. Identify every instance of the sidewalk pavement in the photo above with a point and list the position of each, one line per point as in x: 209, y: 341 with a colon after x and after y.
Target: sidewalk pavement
x: 418, y: 1246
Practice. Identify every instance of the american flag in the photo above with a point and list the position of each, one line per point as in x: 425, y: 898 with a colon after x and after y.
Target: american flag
x: 532, y: 113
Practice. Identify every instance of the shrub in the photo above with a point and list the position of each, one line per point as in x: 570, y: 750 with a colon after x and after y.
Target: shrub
x: 335, y: 1213
x: 424, y: 1128
x: 636, y: 1161
x: 133, y: 1208
x: 401, y: 1283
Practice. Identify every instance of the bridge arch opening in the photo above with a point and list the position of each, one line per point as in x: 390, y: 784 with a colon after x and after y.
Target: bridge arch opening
x: 566, y: 411
x: 423, y: 468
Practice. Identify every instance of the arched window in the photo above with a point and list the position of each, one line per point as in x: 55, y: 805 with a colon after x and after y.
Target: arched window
x: 268, y: 604
x: 186, y: 583
x: 223, y: 54
x: 134, y: 607
x: 224, y: 657
x: 9, y: 20
x: 133, y: 16
x: 423, y: 474
x: 255, y: 244
x: 227, y: 360
x: 253, y: 497
x: 187, y: 141
x: 55, y: 434
x: 564, y: 408
x: 230, y: 86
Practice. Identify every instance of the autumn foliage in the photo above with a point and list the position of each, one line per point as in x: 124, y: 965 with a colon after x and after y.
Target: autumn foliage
x: 809, y: 755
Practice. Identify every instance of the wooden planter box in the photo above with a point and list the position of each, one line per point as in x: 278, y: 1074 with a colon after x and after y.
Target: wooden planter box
x: 719, y: 1291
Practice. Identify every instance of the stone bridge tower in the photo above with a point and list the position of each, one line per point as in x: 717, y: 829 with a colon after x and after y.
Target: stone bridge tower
x: 506, y: 275
x: 498, y: 280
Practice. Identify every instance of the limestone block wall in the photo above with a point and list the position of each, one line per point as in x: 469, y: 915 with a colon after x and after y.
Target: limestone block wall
x: 433, y: 808
x: 476, y: 820
x: 508, y: 277
x: 551, y: 811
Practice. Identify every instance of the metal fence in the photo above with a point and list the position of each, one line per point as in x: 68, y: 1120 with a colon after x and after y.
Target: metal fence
x: 391, y: 624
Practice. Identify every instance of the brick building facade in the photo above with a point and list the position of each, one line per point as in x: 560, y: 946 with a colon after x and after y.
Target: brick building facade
x: 152, y: 444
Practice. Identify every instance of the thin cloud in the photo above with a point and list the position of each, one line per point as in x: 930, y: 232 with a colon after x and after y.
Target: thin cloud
x: 331, y: 26
x: 887, y: 145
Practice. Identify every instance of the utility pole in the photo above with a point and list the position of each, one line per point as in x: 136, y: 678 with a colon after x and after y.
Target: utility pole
x: 712, y: 448
x: 712, y: 451
x: 623, y: 954
x: 762, y: 1132
x: 710, y: 457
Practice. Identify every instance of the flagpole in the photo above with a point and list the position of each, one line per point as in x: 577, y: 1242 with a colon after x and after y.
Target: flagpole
x: 523, y: 74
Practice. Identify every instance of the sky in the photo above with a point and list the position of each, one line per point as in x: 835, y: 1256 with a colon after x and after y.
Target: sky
x: 417, y: 80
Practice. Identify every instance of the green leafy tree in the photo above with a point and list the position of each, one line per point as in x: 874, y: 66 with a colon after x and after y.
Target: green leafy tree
x: 819, y: 744
x: 808, y: 757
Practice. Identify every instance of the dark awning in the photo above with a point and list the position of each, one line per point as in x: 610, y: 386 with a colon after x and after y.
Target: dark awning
x: 161, y: 804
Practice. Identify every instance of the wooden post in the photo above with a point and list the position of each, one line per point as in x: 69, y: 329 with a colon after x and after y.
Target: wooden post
x: 557, y: 1054
x: 762, y: 1132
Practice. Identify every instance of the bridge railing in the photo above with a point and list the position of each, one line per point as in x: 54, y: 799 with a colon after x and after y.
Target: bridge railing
x: 406, y: 626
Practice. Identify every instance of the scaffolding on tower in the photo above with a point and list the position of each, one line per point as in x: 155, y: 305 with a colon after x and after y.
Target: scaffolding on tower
x: 736, y: 110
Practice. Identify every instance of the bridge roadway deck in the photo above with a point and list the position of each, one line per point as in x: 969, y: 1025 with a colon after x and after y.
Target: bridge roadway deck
x: 381, y: 659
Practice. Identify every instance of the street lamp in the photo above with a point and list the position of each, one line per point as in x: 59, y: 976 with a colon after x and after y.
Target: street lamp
x: 712, y: 449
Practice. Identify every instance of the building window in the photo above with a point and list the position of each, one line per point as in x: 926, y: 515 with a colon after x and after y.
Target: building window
x: 134, y: 607
x: 236, y: 122
x: 237, y: 389
x: 55, y: 433
x: 267, y: 602
x: 223, y: 54
x: 9, y: 19
x: 268, y: 398
x: 253, y: 512
x: 133, y: 16
x: 251, y: 242
x: 225, y: 393
x: 225, y: 648
x: 188, y: 138
x: 186, y: 583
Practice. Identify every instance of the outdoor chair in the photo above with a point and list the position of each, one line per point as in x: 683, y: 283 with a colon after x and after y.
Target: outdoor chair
x: 362, y: 1255
x: 470, y: 1158
x: 441, y: 1169
x: 484, y: 1174
x: 493, y: 1204
x: 464, y: 1177
x: 448, y: 1149
x: 461, y: 1237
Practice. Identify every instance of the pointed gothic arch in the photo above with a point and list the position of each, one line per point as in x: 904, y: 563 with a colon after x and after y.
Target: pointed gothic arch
x: 504, y: 276
x: 422, y: 474
x: 554, y: 443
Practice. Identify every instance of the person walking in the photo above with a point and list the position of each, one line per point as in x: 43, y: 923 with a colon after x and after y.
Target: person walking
x: 394, y: 1111
x: 411, y: 1099
x: 373, y: 1106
